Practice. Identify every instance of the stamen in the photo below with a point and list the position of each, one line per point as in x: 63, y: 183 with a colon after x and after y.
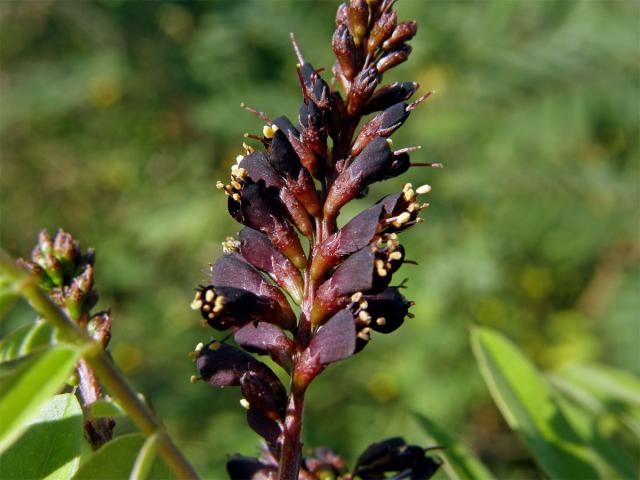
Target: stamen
x: 209, y: 295
x: 426, y: 164
x: 193, y: 379
x: 407, y: 149
x: 245, y: 403
x: 296, y: 48
x: 356, y: 297
x: 413, y: 105
x: 423, y: 189
x: 381, y: 321
x: 262, y: 115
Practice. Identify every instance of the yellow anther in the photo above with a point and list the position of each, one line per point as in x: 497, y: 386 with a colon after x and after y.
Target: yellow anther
x: 245, y: 403
x: 219, y: 185
x: 356, y: 297
x: 196, y: 305
x: 199, y: 347
x: 423, y: 189
x: 381, y: 320
x: 215, y: 345
x: 239, y: 158
x: 193, y: 379
x: 267, y: 131
x: 395, y: 256
x: 209, y: 295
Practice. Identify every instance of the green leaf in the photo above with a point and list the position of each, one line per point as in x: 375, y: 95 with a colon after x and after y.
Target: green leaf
x: 115, y: 460
x: 8, y: 294
x: 611, y: 459
x: 29, y: 386
x: 50, y: 447
x: 25, y: 340
x: 606, y: 383
x: 527, y: 404
x: 106, y: 407
x: 146, y: 457
x: 459, y: 462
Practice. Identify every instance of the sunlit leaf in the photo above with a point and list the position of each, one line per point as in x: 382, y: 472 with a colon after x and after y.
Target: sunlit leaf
x: 26, y: 340
x: 50, y: 446
x: 146, y: 456
x: 527, y: 404
x: 24, y: 390
x: 116, y: 459
x: 459, y: 462
x: 106, y: 407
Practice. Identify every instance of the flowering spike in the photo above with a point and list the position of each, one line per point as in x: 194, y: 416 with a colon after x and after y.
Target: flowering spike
x: 296, y: 185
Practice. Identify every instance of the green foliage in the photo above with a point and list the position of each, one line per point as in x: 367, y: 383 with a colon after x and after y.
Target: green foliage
x: 26, y: 340
x: 118, y: 117
x: 28, y: 385
x: 146, y: 456
x: 116, y: 460
x: 459, y: 462
x: 50, y: 447
x: 563, y: 440
x: 106, y: 407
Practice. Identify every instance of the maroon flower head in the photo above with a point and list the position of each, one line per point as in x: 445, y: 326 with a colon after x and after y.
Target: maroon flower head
x: 287, y: 191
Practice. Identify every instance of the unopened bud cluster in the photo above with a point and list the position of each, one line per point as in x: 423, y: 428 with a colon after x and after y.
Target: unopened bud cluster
x: 287, y: 191
x: 67, y: 274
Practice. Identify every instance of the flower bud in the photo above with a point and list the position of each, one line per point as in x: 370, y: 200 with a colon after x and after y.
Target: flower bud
x: 266, y: 339
x: 257, y: 167
x: 226, y: 308
x: 268, y: 399
x: 313, y: 131
x: 375, y: 163
x: 361, y: 90
x: 381, y: 30
x: 335, y: 340
x: 345, y: 51
x: 258, y: 250
x: 260, y: 209
x: 232, y: 270
x: 393, y: 58
x: 389, y: 95
x: 402, y: 33
x: 394, y: 455
x: 314, y: 87
x: 99, y: 328
x: 387, y: 309
x: 284, y: 158
x: 342, y: 15
x: 368, y: 270
x: 66, y: 249
x: 304, y: 152
x: 382, y: 125
x: 358, y: 19
x: 222, y: 365
x: 239, y: 467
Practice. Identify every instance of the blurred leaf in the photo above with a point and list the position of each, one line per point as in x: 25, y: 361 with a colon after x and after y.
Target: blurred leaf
x: 8, y: 295
x: 145, y: 459
x: 606, y: 383
x: 26, y: 340
x: 106, y: 407
x: 50, y: 447
x: 526, y: 402
x: 612, y: 461
x: 27, y: 388
x: 459, y: 462
x: 116, y: 459
x: 597, y: 405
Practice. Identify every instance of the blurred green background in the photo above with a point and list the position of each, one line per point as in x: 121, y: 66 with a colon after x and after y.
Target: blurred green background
x: 116, y: 118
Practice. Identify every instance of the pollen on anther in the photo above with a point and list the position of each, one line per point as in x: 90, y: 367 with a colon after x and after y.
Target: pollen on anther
x: 215, y: 345
x: 381, y: 320
x: 193, y: 379
x: 196, y: 305
x: 245, y: 403
x: 356, y: 297
x: 423, y: 189
x: 209, y: 295
x: 267, y: 131
x: 199, y: 347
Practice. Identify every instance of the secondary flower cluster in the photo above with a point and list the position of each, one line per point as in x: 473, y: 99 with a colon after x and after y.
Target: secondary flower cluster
x: 67, y: 274
x: 293, y: 188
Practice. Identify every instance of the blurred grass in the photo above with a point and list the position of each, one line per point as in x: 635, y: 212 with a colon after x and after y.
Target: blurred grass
x: 116, y: 118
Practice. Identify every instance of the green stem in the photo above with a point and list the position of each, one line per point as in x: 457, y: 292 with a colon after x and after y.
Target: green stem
x: 104, y: 367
